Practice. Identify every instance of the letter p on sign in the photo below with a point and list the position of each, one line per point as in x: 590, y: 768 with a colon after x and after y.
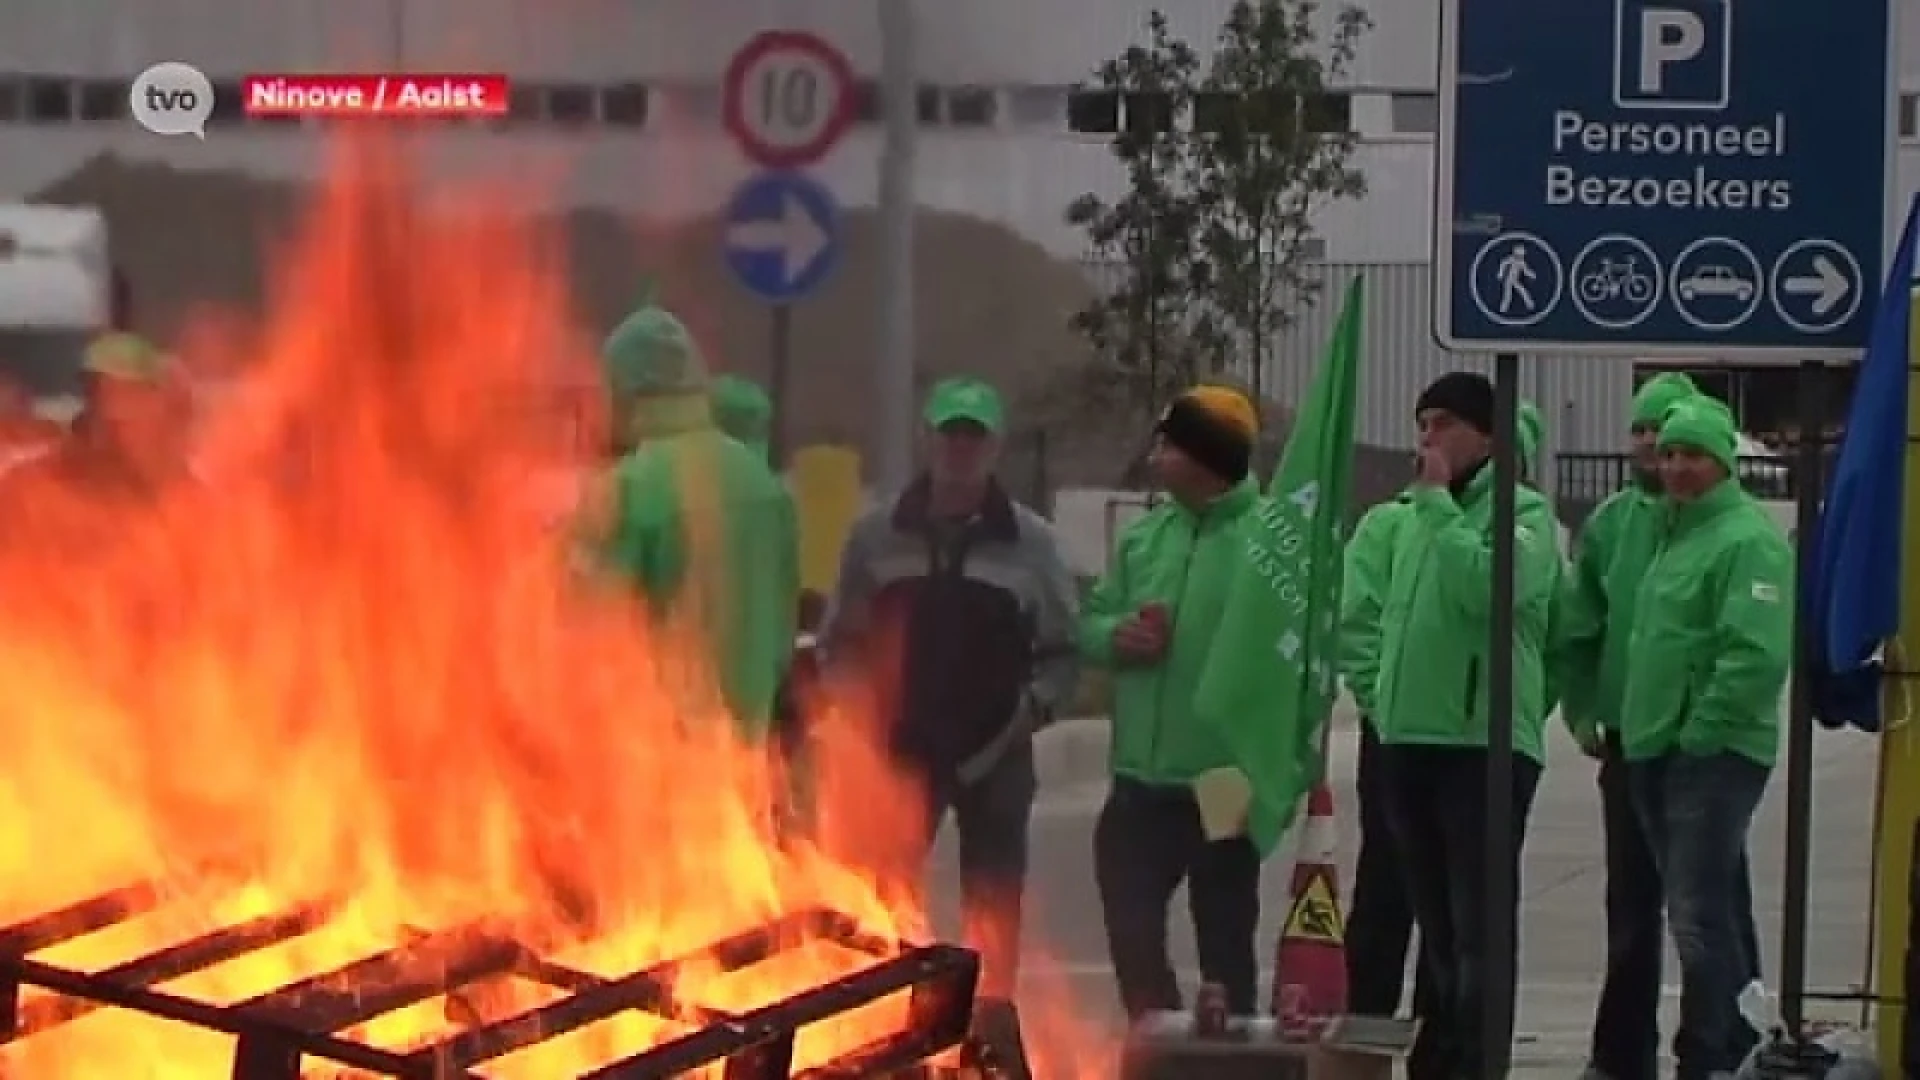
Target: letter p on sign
x: 1672, y: 54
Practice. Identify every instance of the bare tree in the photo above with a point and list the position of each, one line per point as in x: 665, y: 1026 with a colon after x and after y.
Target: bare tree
x: 1272, y: 145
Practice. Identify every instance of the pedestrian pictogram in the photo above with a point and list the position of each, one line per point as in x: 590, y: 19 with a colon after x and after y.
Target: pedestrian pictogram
x: 1315, y: 915
x: 1516, y: 280
x: 1514, y: 275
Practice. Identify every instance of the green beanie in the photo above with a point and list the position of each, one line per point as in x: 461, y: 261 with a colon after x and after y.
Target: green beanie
x: 1658, y: 394
x: 654, y: 370
x: 651, y: 354
x: 743, y: 411
x: 1703, y: 423
x: 1533, y: 428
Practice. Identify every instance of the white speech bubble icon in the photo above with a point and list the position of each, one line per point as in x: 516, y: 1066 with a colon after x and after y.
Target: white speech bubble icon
x: 172, y: 99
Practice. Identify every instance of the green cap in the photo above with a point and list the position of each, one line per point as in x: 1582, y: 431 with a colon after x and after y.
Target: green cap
x: 1658, y: 394
x: 1533, y: 429
x: 1704, y: 423
x: 651, y: 354
x: 965, y: 399
x: 743, y: 410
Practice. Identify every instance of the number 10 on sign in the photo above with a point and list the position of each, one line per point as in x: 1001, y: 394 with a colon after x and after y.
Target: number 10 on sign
x: 789, y: 97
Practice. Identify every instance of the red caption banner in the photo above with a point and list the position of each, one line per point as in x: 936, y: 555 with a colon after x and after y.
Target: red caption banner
x: 374, y: 95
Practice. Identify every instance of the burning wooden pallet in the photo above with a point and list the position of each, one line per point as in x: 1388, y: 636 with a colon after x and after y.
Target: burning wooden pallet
x: 276, y: 1032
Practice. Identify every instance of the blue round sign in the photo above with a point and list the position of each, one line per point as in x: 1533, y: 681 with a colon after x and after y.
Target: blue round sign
x: 781, y: 236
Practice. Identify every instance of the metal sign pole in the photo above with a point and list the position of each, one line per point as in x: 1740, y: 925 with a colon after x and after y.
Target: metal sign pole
x: 1810, y: 462
x: 780, y: 357
x: 1497, y: 1004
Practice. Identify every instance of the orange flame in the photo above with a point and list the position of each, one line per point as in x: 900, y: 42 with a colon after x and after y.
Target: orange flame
x: 350, y: 662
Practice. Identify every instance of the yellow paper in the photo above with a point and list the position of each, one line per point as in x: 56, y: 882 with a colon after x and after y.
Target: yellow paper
x: 1224, y: 797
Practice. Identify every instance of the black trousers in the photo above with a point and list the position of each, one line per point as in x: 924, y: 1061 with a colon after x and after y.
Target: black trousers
x: 1380, y: 922
x: 1439, y: 816
x: 1147, y: 841
x: 991, y: 816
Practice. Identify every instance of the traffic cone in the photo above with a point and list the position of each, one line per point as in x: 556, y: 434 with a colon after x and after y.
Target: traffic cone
x: 1310, y: 961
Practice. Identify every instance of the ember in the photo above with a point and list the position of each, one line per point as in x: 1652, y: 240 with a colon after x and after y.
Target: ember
x: 414, y: 794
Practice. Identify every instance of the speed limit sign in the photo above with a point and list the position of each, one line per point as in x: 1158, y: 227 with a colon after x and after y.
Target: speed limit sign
x: 788, y: 98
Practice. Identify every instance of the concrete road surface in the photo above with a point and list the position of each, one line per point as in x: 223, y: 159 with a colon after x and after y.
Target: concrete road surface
x: 1562, y: 931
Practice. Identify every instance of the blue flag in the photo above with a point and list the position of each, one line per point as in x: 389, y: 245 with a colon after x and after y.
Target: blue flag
x: 1852, y: 594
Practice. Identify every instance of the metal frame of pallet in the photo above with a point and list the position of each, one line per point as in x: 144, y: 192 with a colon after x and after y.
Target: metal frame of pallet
x: 276, y: 1031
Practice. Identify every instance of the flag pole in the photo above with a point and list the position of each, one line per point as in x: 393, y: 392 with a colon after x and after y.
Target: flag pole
x: 1810, y: 463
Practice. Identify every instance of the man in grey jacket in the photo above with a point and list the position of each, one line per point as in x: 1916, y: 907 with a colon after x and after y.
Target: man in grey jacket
x: 954, y: 605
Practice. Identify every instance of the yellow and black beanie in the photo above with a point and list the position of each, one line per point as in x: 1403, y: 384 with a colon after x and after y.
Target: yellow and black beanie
x: 1216, y: 427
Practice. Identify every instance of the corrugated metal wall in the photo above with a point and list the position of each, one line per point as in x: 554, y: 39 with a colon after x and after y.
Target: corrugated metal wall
x: 1585, y: 400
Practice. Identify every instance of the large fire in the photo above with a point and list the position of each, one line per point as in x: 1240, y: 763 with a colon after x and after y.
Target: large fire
x: 351, y: 663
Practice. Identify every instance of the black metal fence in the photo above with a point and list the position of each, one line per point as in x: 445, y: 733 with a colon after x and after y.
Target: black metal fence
x: 1583, y: 481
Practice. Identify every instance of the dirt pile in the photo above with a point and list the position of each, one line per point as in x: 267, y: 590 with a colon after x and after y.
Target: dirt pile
x: 988, y: 303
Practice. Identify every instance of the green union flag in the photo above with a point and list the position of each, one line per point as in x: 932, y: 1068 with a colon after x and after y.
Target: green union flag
x: 1271, y: 681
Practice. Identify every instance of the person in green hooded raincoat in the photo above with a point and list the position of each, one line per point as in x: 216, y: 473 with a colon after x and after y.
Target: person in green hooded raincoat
x: 1380, y: 920
x: 744, y: 411
x: 697, y: 521
x: 1705, y: 665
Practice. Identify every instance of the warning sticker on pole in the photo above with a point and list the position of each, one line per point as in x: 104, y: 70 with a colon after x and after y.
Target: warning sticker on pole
x: 1315, y: 915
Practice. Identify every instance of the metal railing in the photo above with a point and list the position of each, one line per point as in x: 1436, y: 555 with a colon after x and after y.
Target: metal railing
x: 1583, y: 481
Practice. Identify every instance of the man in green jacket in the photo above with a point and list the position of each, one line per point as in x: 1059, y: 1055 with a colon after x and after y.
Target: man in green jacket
x: 1705, y: 664
x: 1151, y: 619
x: 1380, y: 920
x: 1430, y: 706
x: 1613, y: 551
x: 697, y: 520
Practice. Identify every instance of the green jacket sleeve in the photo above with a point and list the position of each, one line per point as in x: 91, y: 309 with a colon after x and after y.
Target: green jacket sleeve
x: 1363, y: 593
x: 1106, y: 606
x: 1464, y: 552
x: 1555, y: 688
x: 1575, y: 656
x: 1753, y: 645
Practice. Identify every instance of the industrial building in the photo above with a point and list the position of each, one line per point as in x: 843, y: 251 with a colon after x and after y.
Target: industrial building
x: 628, y: 94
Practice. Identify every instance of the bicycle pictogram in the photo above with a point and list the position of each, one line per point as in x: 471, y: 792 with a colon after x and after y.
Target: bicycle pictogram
x: 1616, y: 279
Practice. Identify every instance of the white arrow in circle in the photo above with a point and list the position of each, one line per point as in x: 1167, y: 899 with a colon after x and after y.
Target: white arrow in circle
x: 794, y: 236
x: 1827, y: 285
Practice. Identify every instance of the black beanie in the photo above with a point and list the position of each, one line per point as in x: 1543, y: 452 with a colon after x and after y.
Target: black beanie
x: 1466, y: 394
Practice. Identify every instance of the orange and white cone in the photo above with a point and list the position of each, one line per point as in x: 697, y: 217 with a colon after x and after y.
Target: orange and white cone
x: 1310, y: 962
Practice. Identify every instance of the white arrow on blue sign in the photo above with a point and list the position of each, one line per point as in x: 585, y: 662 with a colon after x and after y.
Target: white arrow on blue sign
x: 782, y: 236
